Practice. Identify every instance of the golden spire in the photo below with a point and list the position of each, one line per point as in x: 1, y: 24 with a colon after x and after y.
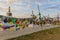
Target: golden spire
x: 9, y: 9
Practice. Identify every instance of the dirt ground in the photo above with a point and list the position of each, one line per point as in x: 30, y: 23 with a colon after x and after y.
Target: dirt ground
x: 51, y: 34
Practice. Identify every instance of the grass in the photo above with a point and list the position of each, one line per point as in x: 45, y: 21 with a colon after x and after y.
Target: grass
x: 51, y: 34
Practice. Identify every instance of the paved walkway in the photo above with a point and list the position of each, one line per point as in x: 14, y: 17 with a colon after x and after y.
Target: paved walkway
x: 10, y: 34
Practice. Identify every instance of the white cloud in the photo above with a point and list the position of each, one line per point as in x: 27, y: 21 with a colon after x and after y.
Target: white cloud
x: 24, y: 15
x: 11, y: 1
x: 38, y: 3
x: 28, y: 6
x: 35, y: 11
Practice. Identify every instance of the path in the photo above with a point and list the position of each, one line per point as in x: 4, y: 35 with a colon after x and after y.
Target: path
x: 10, y: 34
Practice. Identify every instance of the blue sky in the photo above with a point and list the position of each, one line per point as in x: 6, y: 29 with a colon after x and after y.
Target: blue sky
x: 23, y: 8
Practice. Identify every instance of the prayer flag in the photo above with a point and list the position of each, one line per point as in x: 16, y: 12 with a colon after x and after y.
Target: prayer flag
x: 1, y: 29
x: 12, y: 28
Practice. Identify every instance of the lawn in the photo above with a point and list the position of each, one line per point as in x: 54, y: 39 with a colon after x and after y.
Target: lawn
x: 51, y: 34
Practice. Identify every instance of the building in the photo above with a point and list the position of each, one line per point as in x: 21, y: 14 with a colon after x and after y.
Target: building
x: 9, y: 12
